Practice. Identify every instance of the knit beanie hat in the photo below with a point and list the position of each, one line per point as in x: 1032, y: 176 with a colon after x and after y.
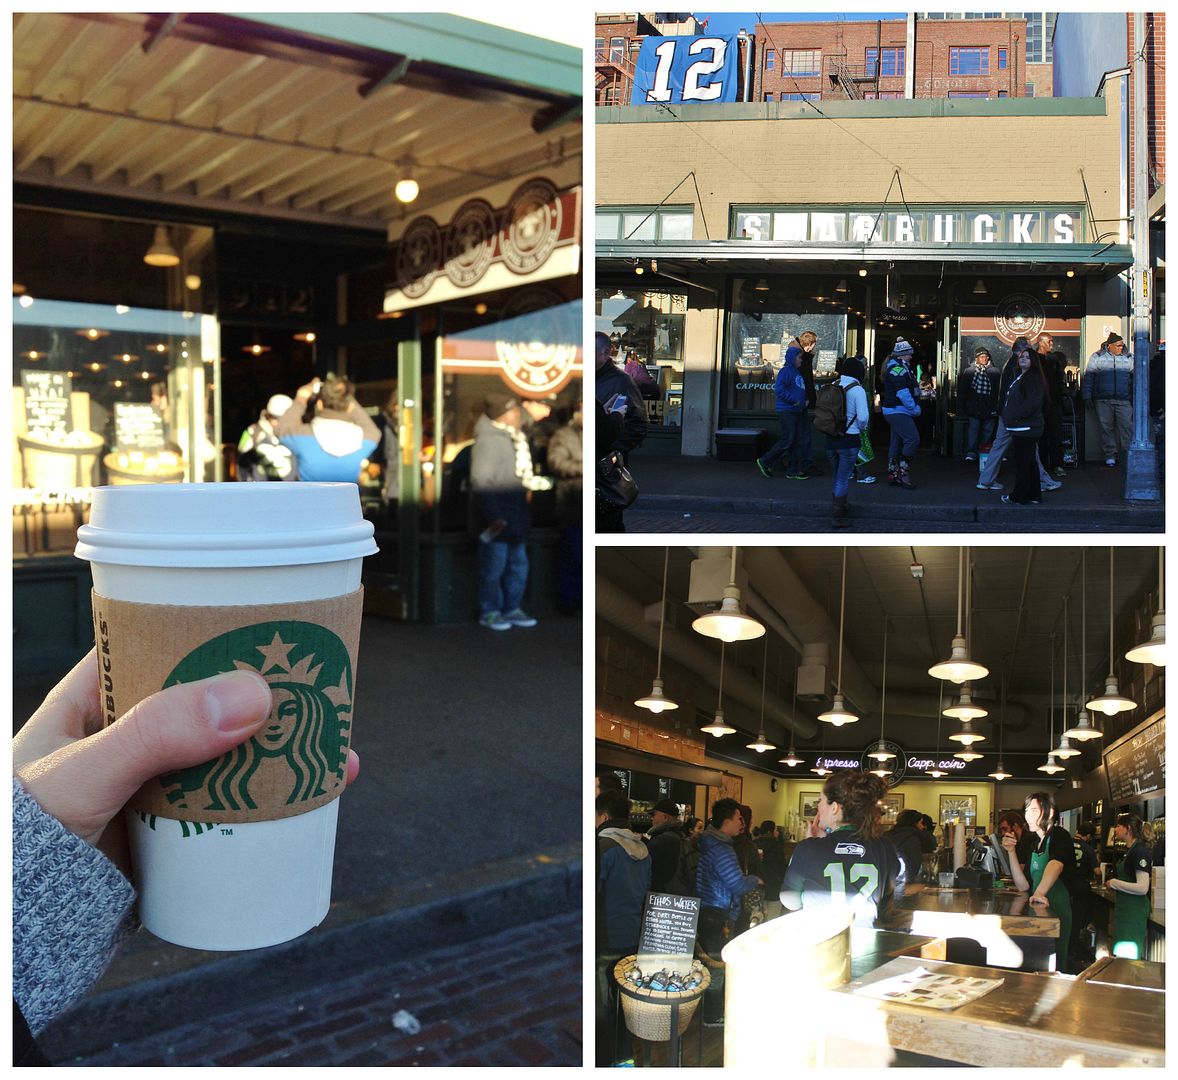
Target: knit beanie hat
x: 854, y: 368
x: 496, y: 404
x: 901, y: 348
x: 1113, y: 339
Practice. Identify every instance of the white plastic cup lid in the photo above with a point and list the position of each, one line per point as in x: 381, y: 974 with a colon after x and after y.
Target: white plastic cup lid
x: 225, y: 525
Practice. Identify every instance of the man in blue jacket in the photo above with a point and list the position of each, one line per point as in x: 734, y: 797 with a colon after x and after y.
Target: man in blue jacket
x: 1108, y: 384
x: 794, y: 420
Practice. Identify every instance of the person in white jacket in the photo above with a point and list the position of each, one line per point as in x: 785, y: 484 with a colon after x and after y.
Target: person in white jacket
x: 842, y: 449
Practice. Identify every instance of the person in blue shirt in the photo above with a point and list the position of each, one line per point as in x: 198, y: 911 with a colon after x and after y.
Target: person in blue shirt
x: 794, y: 420
x: 900, y: 408
x: 328, y: 432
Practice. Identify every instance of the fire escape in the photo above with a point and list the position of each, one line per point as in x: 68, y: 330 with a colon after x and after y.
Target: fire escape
x: 850, y: 81
x: 615, y: 76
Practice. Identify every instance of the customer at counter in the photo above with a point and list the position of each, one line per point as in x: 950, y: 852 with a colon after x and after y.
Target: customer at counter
x: 1051, y: 869
x: 1131, y: 885
x: 1010, y: 823
x: 905, y: 838
x: 845, y: 860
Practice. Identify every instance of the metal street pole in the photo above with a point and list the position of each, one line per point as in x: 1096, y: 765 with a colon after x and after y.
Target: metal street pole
x: 1141, y: 471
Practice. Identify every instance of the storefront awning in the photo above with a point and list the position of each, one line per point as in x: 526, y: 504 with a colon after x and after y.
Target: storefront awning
x: 1101, y: 261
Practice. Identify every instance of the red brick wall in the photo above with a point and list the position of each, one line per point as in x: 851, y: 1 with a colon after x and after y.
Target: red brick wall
x: 1155, y: 67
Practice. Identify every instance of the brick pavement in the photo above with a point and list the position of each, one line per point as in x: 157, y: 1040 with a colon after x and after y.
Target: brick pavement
x: 512, y: 999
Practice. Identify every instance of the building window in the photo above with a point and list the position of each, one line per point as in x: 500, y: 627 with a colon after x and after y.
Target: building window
x: 969, y: 61
x: 612, y: 95
x: 801, y: 61
x: 645, y: 223
x: 968, y: 94
x: 1030, y: 89
x: 599, y: 49
x: 769, y: 97
x: 617, y: 49
x: 801, y: 97
x: 770, y: 59
x: 889, y: 62
x: 1001, y: 59
x: 1003, y: 93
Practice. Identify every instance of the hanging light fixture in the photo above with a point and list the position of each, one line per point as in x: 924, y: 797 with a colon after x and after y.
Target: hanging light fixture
x: 1065, y: 749
x: 1051, y: 766
x: 791, y: 757
x: 881, y: 753
x: 161, y: 252
x: 841, y: 287
x: 761, y: 286
x: 1111, y: 701
x: 656, y: 701
x: 968, y: 755
x: 1000, y: 772
x: 1084, y: 728
x: 718, y: 727
x: 936, y: 770
x: 818, y: 768
x: 967, y: 736
x: 1053, y: 288
x: 979, y: 288
x: 838, y: 714
x: 406, y: 189
x: 959, y: 668
x: 1153, y: 651
x: 729, y: 623
x: 762, y: 744
x: 965, y: 708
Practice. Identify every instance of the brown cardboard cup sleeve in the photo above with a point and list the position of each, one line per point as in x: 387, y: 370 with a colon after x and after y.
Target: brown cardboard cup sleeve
x: 306, y: 651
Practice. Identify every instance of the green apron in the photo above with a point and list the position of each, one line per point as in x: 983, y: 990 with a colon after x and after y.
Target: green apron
x: 1060, y: 901
x: 1130, y: 915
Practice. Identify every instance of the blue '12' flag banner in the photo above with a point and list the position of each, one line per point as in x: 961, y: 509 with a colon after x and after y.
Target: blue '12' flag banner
x: 685, y: 70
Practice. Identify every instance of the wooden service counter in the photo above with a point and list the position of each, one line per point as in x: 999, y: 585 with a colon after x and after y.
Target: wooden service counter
x: 1031, y: 1020
x: 1007, y: 929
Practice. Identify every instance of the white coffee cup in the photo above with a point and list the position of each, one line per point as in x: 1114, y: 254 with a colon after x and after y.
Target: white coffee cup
x: 243, y: 885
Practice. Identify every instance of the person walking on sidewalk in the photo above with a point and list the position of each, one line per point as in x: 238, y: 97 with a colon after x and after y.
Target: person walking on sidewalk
x: 1022, y: 413
x: 988, y: 479
x: 1051, y: 445
x: 842, y: 449
x: 807, y: 343
x: 900, y: 408
x: 1108, y: 384
x: 792, y: 416
x: 977, y: 400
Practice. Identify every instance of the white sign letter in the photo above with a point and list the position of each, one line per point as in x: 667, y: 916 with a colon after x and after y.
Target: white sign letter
x: 1020, y: 231
x: 983, y: 235
x: 1064, y: 230
x: 944, y: 228
x: 861, y: 228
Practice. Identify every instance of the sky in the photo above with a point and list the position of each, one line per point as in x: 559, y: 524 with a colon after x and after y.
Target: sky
x: 729, y: 22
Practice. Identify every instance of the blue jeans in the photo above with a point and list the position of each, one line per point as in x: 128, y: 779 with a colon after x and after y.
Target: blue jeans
x: 503, y: 576
x: 789, y: 445
x: 806, y: 438
x: 843, y: 464
x: 978, y: 430
x: 905, y: 438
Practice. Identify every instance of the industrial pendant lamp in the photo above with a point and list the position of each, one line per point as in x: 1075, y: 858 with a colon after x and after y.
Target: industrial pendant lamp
x: 656, y: 701
x: 819, y: 769
x: 791, y: 757
x: 959, y: 667
x: 161, y: 252
x: 838, y: 714
x: 762, y: 744
x: 1051, y: 766
x: 1084, y: 728
x: 729, y: 623
x: 1111, y: 702
x: 1065, y: 749
x: 1153, y: 651
x: 881, y: 753
x: 936, y: 770
x: 1000, y: 772
x: 717, y: 727
x: 965, y: 708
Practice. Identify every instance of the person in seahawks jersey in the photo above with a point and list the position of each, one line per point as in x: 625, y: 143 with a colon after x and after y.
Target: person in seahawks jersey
x: 1131, y: 886
x: 845, y: 861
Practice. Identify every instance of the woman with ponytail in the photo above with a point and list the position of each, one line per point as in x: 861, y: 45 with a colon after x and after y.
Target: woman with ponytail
x: 1131, y: 886
x: 845, y: 861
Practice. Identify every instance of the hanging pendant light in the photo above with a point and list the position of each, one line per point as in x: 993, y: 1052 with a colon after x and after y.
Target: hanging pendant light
x: 791, y: 757
x: 1111, y: 701
x: 965, y: 708
x: 818, y: 769
x: 729, y: 623
x: 1084, y: 728
x: 967, y: 736
x: 161, y: 252
x: 1065, y: 749
x: 1051, y: 766
x: 762, y: 744
x: 838, y: 714
x: 936, y: 770
x: 959, y: 667
x: 718, y: 727
x: 656, y: 701
x: 1000, y: 772
x: 881, y: 753
x: 1153, y: 651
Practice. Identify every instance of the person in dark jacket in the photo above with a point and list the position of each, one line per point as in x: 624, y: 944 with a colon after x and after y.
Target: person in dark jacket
x: 927, y: 830
x: 607, y: 516
x: 1022, y: 413
x: 792, y: 417
x: 749, y: 857
x: 807, y: 342
x: 977, y: 400
x: 772, y: 852
x: 1051, y: 444
x: 665, y: 843
x: 613, y: 389
x: 899, y: 406
x: 905, y: 838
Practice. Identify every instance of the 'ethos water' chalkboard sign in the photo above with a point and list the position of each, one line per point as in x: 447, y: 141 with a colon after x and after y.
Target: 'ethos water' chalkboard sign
x: 667, y: 941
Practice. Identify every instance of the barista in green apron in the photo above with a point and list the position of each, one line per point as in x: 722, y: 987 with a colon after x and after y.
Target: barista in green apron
x: 1050, y: 869
x: 1131, y: 886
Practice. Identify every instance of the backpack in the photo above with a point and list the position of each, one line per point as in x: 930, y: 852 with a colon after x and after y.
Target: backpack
x: 830, y: 410
x: 682, y: 882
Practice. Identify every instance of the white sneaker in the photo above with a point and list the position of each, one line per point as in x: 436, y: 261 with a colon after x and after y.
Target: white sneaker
x: 519, y: 618
x: 494, y: 621
x: 1110, y: 462
x: 989, y: 487
x: 1050, y: 485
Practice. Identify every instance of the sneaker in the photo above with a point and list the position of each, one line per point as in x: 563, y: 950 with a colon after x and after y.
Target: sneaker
x: 867, y: 480
x: 797, y: 476
x: 1050, y: 485
x: 971, y: 456
x: 764, y: 469
x: 519, y: 617
x: 494, y: 621
x: 989, y: 487
x: 1059, y: 472
x: 1110, y: 462
x: 1015, y: 502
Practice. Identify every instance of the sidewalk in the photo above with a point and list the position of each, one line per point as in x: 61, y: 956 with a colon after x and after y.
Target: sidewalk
x: 465, y: 820
x: 690, y: 494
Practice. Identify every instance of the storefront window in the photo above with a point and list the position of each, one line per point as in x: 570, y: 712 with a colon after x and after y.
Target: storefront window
x: 645, y: 329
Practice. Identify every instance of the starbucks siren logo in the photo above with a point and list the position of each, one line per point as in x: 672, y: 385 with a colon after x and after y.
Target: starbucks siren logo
x: 300, y: 753
x: 531, y: 227
x: 417, y: 258
x: 1019, y: 315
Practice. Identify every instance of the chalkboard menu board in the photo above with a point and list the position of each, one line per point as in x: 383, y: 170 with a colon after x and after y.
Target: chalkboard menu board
x: 47, y: 405
x: 667, y: 940
x: 1137, y: 767
x: 138, y: 427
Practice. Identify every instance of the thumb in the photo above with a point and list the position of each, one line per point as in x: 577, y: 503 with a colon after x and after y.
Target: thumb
x: 87, y: 783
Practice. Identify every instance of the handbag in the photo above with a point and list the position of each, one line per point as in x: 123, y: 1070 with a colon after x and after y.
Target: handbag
x: 614, y: 483
x: 866, y: 453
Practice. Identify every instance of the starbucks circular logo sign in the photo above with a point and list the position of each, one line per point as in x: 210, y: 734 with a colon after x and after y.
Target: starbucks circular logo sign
x: 300, y: 754
x: 470, y: 243
x: 418, y: 256
x: 1019, y: 315
x: 539, y: 356
x: 531, y: 226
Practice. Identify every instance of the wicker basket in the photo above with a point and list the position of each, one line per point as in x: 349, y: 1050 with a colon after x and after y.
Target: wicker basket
x: 648, y: 1012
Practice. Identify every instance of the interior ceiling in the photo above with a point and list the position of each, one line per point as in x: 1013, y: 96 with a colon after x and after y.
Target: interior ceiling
x: 135, y: 105
x: 1017, y: 600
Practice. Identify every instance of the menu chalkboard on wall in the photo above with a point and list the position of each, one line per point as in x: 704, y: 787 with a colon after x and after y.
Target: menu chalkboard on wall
x: 667, y: 940
x: 1136, y: 768
x: 138, y: 427
x: 47, y: 405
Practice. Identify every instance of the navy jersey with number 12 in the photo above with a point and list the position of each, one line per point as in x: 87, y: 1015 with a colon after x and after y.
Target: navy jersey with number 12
x: 843, y: 868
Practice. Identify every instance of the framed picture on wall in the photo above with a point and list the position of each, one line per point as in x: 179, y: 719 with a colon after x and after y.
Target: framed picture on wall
x: 808, y: 803
x: 959, y: 808
x: 890, y: 807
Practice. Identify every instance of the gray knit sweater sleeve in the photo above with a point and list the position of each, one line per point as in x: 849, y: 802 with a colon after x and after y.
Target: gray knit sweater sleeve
x: 70, y: 908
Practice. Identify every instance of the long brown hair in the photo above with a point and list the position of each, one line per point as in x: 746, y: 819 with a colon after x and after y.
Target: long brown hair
x: 858, y: 793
